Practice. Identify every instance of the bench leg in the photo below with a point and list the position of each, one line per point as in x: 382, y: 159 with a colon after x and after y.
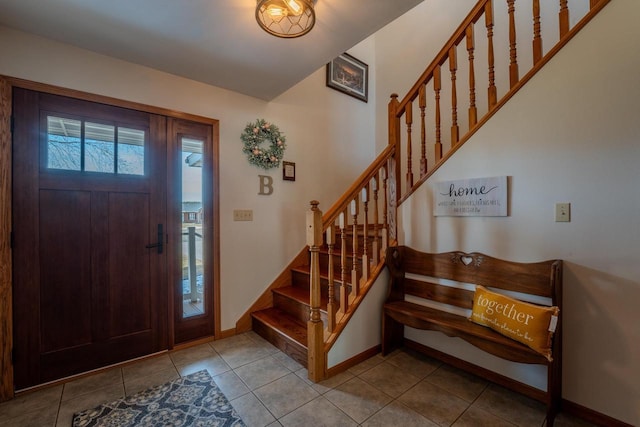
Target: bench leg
x: 552, y: 411
x: 554, y: 389
x: 392, y: 334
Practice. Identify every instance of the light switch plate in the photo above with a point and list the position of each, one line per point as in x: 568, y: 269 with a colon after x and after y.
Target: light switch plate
x: 563, y: 212
x: 243, y: 215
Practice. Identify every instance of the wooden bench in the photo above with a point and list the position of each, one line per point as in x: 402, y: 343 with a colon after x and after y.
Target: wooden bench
x: 420, y: 275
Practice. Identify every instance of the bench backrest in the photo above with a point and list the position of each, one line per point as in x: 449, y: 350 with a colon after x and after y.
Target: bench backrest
x: 541, y: 278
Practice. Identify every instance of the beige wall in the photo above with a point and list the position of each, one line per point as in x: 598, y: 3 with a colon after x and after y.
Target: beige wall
x: 571, y: 135
x: 329, y: 137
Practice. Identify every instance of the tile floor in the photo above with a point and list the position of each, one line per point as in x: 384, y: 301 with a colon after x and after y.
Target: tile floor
x: 268, y: 388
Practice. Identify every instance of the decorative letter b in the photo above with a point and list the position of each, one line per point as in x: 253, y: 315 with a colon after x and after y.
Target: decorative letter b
x: 266, y: 185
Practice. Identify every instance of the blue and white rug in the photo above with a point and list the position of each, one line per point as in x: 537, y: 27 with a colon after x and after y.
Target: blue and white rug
x: 193, y: 400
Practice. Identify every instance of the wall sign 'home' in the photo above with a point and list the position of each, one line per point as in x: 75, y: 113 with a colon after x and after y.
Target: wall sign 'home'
x: 471, y: 197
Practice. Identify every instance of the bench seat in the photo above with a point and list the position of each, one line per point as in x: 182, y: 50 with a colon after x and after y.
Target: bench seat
x: 421, y: 317
x: 446, y: 280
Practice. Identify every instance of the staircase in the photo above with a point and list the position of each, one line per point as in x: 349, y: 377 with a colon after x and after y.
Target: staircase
x: 307, y: 307
x: 285, y: 324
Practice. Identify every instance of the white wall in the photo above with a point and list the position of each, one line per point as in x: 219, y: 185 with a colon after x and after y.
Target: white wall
x: 329, y: 137
x: 571, y: 135
x: 364, y: 330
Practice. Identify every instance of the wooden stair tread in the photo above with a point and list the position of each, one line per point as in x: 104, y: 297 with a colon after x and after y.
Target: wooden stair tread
x: 324, y: 273
x: 285, y: 324
x: 301, y: 295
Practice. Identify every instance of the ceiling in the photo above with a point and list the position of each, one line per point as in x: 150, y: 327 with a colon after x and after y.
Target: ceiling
x: 212, y: 41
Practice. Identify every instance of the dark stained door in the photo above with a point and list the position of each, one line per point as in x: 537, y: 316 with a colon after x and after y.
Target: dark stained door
x: 89, y: 227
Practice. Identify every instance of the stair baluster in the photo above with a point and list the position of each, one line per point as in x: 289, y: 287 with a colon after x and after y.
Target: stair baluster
x: 437, y: 86
x: 385, y: 206
x: 344, y: 297
x: 513, y: 54
x: 409, y: 122
x: 331, y: 306
x: 453, y: 68
x: 493, y: 90
x: 392, y: 199
x: 376, y: 241
x: 365, y: 228
x: 473, y: 111
x: 564, y: 17
x: 354, y: 262
x: 422, y: 102
x: 537, y: 38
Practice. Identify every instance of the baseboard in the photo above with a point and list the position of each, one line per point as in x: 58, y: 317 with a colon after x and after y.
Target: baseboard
x: 594, y: 417
x: 569, y: 407
x: 353, y: 361
x: 226, y: 333
x: 191, y: 343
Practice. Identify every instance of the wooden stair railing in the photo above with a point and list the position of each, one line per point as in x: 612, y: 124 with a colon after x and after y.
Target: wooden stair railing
x: 351, y: 213
x: 432, y: 83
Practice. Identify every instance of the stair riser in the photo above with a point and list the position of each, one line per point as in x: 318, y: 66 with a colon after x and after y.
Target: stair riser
x: 295, y: 308
x: 290, y: 347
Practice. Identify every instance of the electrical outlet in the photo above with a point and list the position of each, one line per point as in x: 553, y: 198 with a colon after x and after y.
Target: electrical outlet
x: 243, y: 215
x: 563, y: 212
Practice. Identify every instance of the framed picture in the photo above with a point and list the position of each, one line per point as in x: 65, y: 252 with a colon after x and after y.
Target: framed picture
x: 349, y: 75
x: 288, y: 171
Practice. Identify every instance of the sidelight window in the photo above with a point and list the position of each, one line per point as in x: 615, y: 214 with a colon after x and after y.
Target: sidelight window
x: 193, y: 289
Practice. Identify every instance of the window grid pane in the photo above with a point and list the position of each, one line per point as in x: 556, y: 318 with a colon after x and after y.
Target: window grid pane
x: 99, y: 147
x: 64, y: 143
x: 131, y: 151
x: 75, y: 145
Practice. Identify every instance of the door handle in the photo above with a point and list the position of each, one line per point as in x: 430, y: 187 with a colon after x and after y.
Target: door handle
x: 160, y: 243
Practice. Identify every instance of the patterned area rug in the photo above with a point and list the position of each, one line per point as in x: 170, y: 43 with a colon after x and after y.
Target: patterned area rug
x: 194, y: 400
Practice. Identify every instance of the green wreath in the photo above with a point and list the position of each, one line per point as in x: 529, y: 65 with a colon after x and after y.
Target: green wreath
x: 254, y: 135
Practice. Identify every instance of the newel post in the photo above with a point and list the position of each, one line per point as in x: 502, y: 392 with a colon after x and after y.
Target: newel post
x: 315, y: 328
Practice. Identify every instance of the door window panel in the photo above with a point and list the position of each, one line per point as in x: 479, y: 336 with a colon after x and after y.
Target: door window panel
x: 77, y: 145
x: 99, y: 147
x: 192, y: 214
x: 64, y: 143
x: 131, y: 151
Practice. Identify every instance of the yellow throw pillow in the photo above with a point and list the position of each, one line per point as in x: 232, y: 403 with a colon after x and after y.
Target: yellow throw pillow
x: 527, y: 323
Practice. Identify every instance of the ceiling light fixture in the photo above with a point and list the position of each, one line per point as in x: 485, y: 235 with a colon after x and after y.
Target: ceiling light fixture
x: 286, y: 18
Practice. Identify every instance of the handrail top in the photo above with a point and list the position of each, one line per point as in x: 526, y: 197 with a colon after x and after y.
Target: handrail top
x: 442, y: 56
x: 341, y: 204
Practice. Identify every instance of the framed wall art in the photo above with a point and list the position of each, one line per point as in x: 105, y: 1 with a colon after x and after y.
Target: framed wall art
x: 349, y: 75
x: 288, y: 171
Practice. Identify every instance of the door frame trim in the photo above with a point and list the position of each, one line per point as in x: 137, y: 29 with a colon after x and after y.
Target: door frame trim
x: 6, y: 284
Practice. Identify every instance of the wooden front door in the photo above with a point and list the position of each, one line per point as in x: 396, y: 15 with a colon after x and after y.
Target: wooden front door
x: 89, y: 227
